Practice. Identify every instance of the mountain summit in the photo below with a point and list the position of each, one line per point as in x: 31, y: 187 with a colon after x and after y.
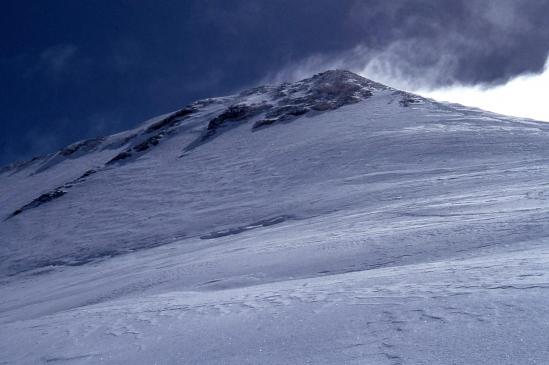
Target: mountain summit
x: 173, y: 142
x: 330, y: 220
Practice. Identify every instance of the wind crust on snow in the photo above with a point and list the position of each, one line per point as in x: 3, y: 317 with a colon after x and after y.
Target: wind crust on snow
x: 265, y: 106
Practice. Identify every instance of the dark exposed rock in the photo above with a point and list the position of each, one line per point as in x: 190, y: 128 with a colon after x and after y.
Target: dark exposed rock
x: 121, y: 156
x: 326, y: 91
x: 171, y: 119
x: 87, y: 173
x: 44, y: 198
x: 282, y: 103
x: 232, y: 113
x: 280, y: 91
x: 333, y: 90
x: 322, y: 106
x: 120, y: 142
x: 145, y: 145
x: 205, y: 102
x: 138, y: 148
x: 74, y: 150
x: 407, y: 99
x: 287, y: 111
x: 83, y: 146
x: 54, y: 194
x: 19, y: 165
x: 162, y: 128
x: 263, y: 123
x: 255, y: 90
x: 405, y: 102
x: 280, y: 114
x: 288, y: 101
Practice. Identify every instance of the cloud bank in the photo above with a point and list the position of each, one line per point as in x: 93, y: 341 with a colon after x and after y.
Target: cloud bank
x: 523, y: 96
x: 488, y: 54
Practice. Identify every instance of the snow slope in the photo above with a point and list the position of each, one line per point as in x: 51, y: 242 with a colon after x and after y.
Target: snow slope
x: 333, y: 220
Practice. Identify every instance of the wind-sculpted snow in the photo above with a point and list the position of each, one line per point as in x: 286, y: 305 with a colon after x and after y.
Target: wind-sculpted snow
x: 323, y: 92
x: 329, y: 221
x: 285, y: 103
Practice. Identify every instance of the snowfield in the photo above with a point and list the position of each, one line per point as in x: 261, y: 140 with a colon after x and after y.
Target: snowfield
x: 329, y: 221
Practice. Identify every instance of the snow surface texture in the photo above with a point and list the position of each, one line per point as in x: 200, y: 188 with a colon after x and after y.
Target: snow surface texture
x: 329, y: 221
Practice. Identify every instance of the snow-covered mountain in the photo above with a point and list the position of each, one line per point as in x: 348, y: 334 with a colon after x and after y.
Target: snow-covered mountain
x: 329, y: 221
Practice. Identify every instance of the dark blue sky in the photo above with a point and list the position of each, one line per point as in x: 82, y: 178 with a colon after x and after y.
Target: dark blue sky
x: 77, y: 69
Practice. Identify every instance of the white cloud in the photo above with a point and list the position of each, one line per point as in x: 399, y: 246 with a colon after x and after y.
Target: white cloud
x: 523, y: 96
